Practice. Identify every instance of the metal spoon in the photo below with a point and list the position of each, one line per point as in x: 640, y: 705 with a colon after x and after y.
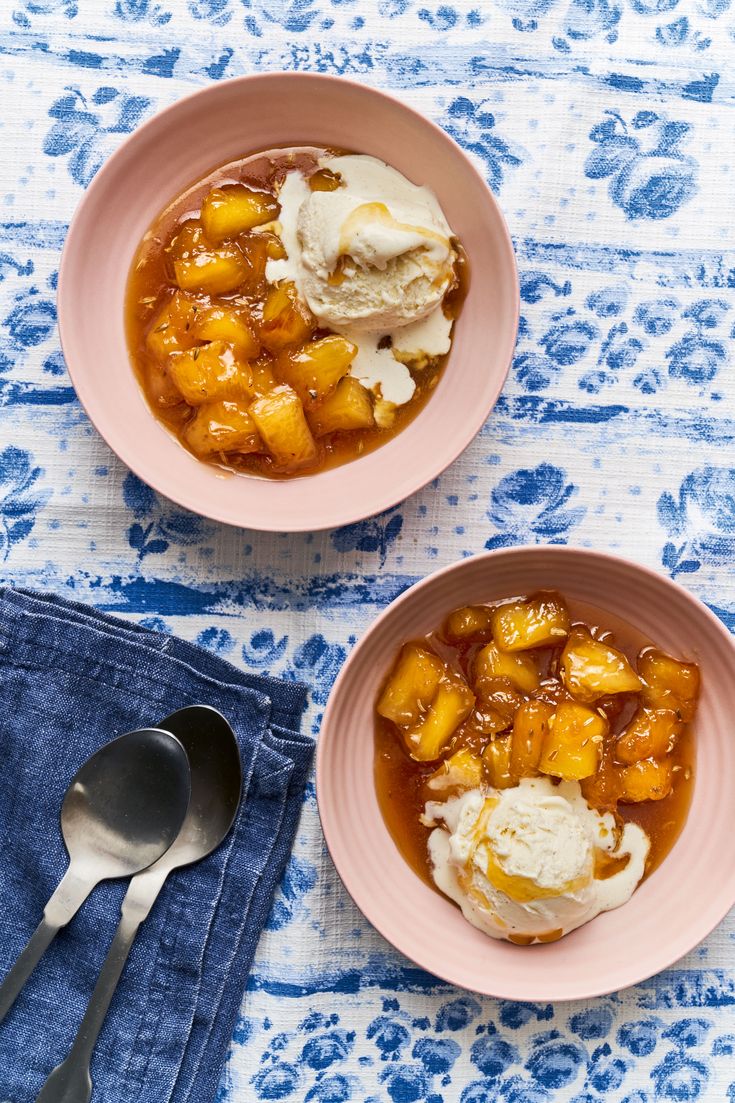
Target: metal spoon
x: 216, y: 782
x: 122, y: 810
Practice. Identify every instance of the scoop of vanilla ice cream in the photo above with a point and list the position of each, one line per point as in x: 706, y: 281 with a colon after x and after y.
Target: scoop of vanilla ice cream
x: 521, y: 861
x: 376, y: 252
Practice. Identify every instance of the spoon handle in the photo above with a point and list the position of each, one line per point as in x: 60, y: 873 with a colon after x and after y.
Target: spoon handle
x: 71, y: 1081
x: 68, y: 897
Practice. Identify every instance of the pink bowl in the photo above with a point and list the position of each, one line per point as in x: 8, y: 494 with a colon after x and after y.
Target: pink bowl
x: 668, y: 915
x: 181, y: 144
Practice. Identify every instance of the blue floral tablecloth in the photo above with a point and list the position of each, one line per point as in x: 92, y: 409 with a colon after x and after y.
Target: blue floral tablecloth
x: 606, y: 129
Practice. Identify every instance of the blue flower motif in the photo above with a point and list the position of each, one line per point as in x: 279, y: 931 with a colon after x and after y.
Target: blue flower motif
x: 298, y: 880
x: 695, y: 359
x: 323, y: 1050
x: 319, y: 662
x: 31, y: 319
x: 492, y: 1055
x: 708, y: 313
x: 405, y: 1083
x: 162, y: 529
x: 437, y: 1055
x: 20, y: 498
x: 84, y: 131
x: 472, y: 125
x: 656, y: 316
x: 263, y: 650
x: 679, y: 1078
x: 587, y: 19
x: 704, y: 514
x: 650, y: 177
x: 276, y: 1082
x: 457, y: 1014
x: 534, y: 371
x: 606, y: 1073
x: 376, y: 534
x: 531, y: 505
x: 609, y: 302
x: 295, y: 16
x: 556, y: 1064
x: 594, y: 1022
x: 568, y: 342
x: 534, y: 285
x: 388, y: 1035
x: 639, y: 1036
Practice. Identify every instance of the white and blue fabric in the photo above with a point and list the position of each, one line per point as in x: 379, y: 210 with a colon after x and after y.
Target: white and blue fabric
x: 606, y: 130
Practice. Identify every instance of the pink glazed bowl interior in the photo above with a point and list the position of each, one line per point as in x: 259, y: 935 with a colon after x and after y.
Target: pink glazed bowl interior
x: 214, y: 126
x: 667, y: 916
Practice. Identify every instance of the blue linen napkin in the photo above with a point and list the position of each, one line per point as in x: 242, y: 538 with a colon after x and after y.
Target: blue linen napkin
x: 71, y: 679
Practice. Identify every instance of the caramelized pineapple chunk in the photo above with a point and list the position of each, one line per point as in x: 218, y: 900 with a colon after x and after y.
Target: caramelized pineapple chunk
x: 651, y: 733
x: 497, y: 759
x: 530, y: 730
x: 233, y: 209
x: 222, y: 427
x: 602, y: 789
x: 161, y: 387
x: 285, y: 321
x: 188, y: 240
x: 213, y: 271
x: 226, y: 323
x: 348, y: 407
x: 451, y: 705
x: 207, y: 373
x: 281, y: 423
x: 538, y: 622
x: 669, y: 683
x: 592, y: 669
x: 315, y: 369
x: 519, y: 669
x: 573, y: 747
x: 324, y: 180
x: 411, y: 685
x: 462, y: 770
x: 646, y: 780
x: 471, y: 622
x: 499, y: 699
x: 171, y: 328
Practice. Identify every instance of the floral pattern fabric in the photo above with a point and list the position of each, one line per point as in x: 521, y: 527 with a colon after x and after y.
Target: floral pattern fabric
x: 605, y: 129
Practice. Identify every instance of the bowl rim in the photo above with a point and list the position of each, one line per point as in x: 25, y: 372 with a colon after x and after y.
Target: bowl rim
x: 591, y: 989
x: 126, y: 451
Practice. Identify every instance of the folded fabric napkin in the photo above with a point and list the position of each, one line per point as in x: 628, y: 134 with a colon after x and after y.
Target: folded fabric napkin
x: 71, y: 679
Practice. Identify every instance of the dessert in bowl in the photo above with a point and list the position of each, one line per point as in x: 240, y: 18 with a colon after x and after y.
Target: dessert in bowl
x: 272, y: 268
x: 606, y: 856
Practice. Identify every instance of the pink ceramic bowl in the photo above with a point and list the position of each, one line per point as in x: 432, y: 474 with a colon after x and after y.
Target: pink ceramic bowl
x: 668, y: 915
x: 182, y: 143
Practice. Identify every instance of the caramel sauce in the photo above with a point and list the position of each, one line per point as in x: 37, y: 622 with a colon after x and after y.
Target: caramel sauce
x: 401, y: 782
x: 151, y: 280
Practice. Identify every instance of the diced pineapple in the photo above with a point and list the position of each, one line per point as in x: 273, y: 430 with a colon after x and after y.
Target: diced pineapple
x: 208, y: 373
x: 651, y: 733
x: 315, y: 369
x: 226, y: 323
x: 285, y: 321
x: 498, y: 696
x: 222, y: 427
x: 257, y: 248
x: 497, y: 759
x: 530, y: 729
x: 325, y: 180
x: 452, y: 703
x: 602, y: 789
x: 538, y: 622
x: 188, y: 240
x: 462, y: 770
x: 348, y: 407
x: 233, y: 209
x: 646, y: 780
x: 161, y: 387
x: 471, y: 622
x: 280, y: 419
x: 213, y: 271
x: 669, y: 683
x: 171, y: 328
x: 573, y: 747
x: 260, y: 376
x: 411, y: 685
x: 519, y: 669
x: 592, y: 669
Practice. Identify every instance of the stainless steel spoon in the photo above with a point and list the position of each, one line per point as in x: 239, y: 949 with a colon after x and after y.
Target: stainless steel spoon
x: 122, y: 810
x: 216, y: 782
